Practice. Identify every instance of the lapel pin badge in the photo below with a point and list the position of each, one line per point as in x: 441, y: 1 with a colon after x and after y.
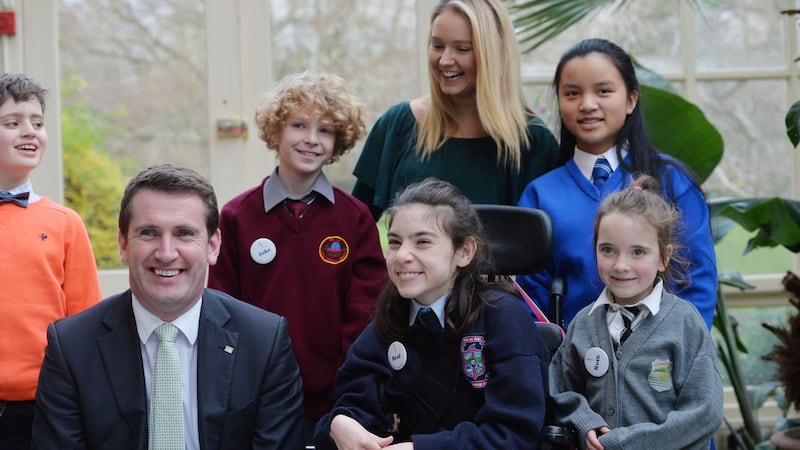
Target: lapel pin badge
x: 228, y: 349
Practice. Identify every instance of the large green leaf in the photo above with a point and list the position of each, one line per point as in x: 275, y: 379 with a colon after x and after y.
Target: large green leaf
x: 649, y: 77
x: 679, y: 128
x: 793, y: 123
x: 734, y: 278
x: 776, y: 220
x: 676, y: 126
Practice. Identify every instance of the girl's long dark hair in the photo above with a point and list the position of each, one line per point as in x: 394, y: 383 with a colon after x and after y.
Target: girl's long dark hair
x: 645, y: 158
x: 459, y: 220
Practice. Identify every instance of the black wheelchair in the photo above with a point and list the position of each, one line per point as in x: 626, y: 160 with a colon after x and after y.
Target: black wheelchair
x: 520, y: 242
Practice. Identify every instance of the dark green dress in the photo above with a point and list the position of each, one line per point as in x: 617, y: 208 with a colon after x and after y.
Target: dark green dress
x: 388, y: 162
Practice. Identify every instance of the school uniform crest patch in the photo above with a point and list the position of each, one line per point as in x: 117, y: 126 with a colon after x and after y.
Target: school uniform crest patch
x: 334, y: 249
x: 660, y: 377
x: 473, y: 364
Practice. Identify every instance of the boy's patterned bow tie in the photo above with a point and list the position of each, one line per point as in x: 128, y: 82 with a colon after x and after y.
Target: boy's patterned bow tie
x: 19, y: 199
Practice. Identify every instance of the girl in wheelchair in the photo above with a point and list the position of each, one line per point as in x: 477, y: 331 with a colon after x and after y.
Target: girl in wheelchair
x: 450, y: 360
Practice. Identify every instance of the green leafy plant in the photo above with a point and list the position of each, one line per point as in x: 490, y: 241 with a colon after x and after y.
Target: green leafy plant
x: 793, y: 124
x: 538, y: 21
x: 93, y: 182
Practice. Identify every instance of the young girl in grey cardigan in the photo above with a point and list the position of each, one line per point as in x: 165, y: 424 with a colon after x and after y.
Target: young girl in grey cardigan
x: 638, y: 366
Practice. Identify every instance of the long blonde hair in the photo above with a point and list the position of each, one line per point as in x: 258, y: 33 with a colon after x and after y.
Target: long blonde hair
x: 501, y: 105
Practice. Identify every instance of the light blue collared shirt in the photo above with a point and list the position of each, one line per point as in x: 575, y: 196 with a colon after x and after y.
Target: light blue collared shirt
x: 437, y: 307
x: 188, y: 324
x: 25, y: 187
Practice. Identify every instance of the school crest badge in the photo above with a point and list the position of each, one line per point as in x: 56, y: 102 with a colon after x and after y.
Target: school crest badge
x: 473, y: 364
x: 334, y: 249
x: 660, y: 377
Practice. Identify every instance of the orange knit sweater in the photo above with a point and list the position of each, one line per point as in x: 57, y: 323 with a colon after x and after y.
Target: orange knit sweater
x: 47, y: 271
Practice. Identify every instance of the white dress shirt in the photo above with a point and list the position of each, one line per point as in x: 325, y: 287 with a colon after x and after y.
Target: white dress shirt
x: 25, y: 187
x: 585, y: 161
x: 649, y: 305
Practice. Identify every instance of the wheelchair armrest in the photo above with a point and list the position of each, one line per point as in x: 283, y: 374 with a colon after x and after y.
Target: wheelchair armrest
x: 558, y: 437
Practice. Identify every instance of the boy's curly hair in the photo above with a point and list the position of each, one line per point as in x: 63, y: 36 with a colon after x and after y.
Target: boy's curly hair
x: 326, y: 94
x: 21, y: 88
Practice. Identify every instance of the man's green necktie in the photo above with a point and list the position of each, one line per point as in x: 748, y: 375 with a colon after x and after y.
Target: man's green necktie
x: 166, y: 406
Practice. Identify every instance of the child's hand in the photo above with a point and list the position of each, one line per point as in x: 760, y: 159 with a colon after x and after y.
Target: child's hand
x: 593, y: 438
x: 348, y: 434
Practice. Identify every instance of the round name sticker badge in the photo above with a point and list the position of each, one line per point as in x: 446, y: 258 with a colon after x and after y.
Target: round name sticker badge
x: 397, y: 355
x: 596, y: 361
x: 262, y: 250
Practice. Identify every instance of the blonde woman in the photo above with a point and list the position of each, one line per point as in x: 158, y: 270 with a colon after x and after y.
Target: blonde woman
x: 474, y: 129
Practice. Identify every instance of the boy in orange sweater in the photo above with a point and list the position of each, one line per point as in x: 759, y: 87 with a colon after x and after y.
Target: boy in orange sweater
x: 47, y: 268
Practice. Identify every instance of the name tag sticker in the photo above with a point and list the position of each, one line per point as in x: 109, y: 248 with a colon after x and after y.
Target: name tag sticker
x: 397, y: 355
x: 596, y: 362
x: 262, y: 250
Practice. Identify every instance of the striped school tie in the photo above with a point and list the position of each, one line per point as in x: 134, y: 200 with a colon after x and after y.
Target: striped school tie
x: 601, y: 172
x: 628, y: 316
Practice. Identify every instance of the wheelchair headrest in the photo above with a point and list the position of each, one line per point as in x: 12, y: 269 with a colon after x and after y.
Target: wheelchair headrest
x: 519, y: 238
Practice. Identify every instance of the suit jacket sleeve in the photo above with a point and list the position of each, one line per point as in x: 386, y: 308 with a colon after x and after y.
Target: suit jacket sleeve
x: 279, y: 421
x: 57, y: 421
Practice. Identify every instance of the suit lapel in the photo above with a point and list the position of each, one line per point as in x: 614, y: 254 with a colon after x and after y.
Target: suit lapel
x: 216, y: 353
x: 121, y: 354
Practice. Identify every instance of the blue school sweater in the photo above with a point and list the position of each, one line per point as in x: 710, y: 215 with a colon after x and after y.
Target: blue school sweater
x: 497, y: 370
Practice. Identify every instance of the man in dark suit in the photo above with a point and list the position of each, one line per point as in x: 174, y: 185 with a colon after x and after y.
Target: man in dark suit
x: 240, y: 385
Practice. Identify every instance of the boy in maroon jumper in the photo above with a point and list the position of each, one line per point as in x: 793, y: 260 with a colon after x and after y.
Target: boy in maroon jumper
x: 297, y: 245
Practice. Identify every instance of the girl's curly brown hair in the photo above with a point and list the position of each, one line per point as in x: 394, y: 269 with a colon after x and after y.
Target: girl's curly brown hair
x: 325, y: 94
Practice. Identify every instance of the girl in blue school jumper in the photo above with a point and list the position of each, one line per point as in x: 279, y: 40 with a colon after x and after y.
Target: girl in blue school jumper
x: 450, y: 360
x: 601, y: 117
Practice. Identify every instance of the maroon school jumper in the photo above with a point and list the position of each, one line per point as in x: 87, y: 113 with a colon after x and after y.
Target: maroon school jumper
x: 326, y: 273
